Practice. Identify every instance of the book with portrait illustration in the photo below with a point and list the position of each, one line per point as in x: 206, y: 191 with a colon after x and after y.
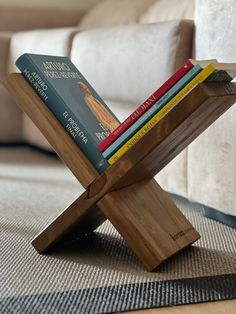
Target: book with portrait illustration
x: 72, y: 100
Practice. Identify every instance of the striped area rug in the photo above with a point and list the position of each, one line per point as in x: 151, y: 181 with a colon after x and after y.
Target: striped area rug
x: 99, y: 273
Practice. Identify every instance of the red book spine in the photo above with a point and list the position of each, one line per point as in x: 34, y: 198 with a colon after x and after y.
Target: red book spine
x: 146, y: 105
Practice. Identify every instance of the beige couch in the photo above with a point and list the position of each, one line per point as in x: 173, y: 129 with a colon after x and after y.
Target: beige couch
x: 14, y: 19
x: 126, y: 49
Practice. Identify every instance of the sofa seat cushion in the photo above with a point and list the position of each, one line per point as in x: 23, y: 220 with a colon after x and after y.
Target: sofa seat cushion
x: 32, y: 135
x: 127, y: 63
x: 35, y: 138
x: 173, y: 178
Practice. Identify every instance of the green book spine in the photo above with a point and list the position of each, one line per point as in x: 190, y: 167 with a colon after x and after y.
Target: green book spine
x: 72, y: 100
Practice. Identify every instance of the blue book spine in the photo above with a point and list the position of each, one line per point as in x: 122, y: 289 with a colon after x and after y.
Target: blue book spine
x: 151, y: 112
x: 35, y: 76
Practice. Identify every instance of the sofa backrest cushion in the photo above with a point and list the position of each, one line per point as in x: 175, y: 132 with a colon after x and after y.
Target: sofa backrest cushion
x: 120, y: 12
x: 56, y: 41
x: 163, y: 10
x: 127, y: 63
x: 115, y: 12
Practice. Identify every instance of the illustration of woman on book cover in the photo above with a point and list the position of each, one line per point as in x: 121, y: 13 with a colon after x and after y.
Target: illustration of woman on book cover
x: 102, y: 115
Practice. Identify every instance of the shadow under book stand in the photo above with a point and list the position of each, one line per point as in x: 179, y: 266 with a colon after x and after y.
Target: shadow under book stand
x: 126, y: 192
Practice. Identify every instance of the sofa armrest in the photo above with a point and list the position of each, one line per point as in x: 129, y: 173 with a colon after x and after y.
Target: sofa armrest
x: 10, y: 117
x: 5, y: 38
x: 16, y: 18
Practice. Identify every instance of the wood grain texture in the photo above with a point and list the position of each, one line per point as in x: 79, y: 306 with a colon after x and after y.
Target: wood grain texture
x: 51, y: 128
x: 64, y: 146
x: 218, y: 307
x: 149, y: 221
x: 74, y: 220
x: 175, y: 131
x: 126, y: 192
x: 143, y: 214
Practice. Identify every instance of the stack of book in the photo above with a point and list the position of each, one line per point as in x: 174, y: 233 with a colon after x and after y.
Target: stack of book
x: 156, y: 106
x: 88, y: 120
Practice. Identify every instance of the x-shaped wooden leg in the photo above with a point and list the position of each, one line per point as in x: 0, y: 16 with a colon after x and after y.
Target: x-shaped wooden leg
x: 126, y: 193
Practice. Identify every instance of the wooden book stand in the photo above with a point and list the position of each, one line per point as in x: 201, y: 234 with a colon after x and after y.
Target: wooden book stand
x: 126, y: 192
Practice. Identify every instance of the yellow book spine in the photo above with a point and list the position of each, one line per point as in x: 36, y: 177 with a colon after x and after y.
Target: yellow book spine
x: 199, y: 78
